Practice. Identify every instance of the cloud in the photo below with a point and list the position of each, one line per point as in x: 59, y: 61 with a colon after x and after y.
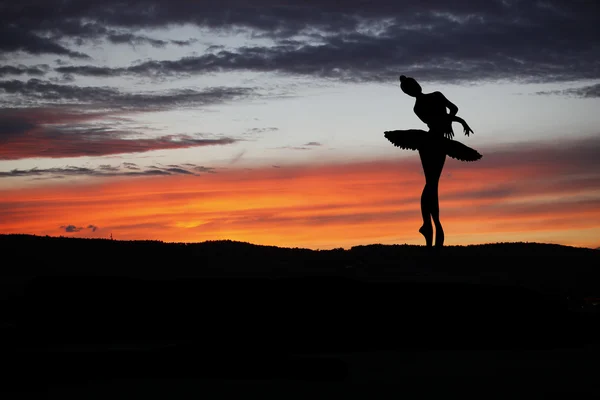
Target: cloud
x: 179, y: 171
x: 65, y: 78
x: 135, y: 40
x: 39, y: 92
x: 201, y: 168
x: 254, y: 131
x: 36, y: 70
x: 58, y: 120
x: 71, y: 228
x: 41, y: 29
x: 590, y: 91
x: 237, y: 157
x: 434, y: 40
x: 75, y: 229
x: 106, y: 170
x: 14, y: 126
x: 14, y: 39
x: 306, y: 146
x: 131, y: 166
x: 381, y: 59
x: 33, y: 133
x: 187, y: 42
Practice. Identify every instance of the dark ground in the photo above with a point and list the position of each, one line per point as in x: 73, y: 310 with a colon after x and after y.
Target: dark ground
x: 101, y: 318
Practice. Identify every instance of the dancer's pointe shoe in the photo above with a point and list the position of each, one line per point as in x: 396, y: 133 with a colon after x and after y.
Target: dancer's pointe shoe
x: 439, y: 236
x: 427, y: 232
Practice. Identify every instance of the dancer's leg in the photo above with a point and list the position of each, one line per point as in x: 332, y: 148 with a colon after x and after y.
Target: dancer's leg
x: 426, y: 229
x: 437, y: 164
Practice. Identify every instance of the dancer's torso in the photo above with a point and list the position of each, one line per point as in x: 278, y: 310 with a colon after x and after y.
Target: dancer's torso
x: 431, y: 109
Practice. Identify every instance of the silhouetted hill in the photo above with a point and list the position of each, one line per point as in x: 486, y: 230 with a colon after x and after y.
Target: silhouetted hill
x: 223, y: 308
x: 546, y: 266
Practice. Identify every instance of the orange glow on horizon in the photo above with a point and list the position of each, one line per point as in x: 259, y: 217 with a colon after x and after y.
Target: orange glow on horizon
x: 322, y: 207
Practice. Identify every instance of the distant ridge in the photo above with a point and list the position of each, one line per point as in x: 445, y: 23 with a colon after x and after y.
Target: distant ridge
x: 242, y: 243
x: 548, y: 267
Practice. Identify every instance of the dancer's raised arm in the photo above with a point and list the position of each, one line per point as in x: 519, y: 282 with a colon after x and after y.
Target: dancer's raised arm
x: 466, y: 127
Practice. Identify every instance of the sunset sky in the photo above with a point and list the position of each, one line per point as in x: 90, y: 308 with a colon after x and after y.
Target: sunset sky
x: 262, y: 121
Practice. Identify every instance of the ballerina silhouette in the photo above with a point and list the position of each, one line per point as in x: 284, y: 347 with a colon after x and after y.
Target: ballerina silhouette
x: 433, y: 146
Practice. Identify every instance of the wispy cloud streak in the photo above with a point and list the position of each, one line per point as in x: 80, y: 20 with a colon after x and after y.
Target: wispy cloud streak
x: 62, y: 133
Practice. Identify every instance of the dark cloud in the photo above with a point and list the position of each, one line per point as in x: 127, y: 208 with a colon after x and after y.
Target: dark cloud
x: 194, y: 167
x: 43, y: 133
x: 135, y: 40
x: 65, y: 78
x: 179, y: 171
x: 307, y: 146
x: 131, y: 166
x: 91, y: 70
x: 201, y: 168
x: 59, y: 143
x: 360, y: 57
x: 13, y: 126
x: 261, y: 130
x: 106, y: 171
x: 20, y: 32
x: 24, y: 39
x: 58, y: 171
x: 591, y: 91
x: 237, y: 157
x: 187, y: 42
x: 71, y: 228
x: 37, y: 91
x: 74, y: 229
x: 108, y: 167
x: 214, y: 47
x: 138, y: 40
x: 36, y: 70
x: 551, y: 40
x: 284, y: 19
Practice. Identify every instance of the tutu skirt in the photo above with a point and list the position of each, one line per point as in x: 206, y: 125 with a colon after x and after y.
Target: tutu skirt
x: 417, y: 139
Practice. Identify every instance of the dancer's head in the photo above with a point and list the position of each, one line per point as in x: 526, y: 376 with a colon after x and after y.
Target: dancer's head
x: 410, y: 86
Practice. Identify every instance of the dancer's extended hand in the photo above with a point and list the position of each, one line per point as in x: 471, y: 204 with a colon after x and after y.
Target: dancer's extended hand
x: 467, y: 129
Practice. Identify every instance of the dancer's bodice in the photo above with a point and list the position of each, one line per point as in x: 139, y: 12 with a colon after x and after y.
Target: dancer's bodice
x: 431, y: 109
